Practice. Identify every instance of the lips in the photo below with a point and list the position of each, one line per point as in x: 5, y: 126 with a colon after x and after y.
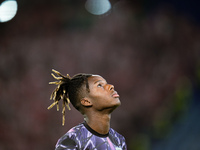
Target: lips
x: 115, y: 94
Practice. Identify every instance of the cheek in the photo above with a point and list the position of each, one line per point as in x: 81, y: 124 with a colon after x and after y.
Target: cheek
x: 96, y: 93
x: 98, y: 98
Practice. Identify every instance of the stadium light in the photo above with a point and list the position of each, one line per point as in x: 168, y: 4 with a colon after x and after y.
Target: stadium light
x: 8, y: 10
x: 98, y: 7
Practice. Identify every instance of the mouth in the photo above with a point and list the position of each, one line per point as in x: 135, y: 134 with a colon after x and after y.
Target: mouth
x: 115, y: 94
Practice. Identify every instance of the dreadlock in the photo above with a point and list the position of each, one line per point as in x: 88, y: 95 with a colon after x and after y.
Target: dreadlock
x: 68, y: 89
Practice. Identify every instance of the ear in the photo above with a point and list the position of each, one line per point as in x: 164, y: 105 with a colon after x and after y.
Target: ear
x: 86, y: 102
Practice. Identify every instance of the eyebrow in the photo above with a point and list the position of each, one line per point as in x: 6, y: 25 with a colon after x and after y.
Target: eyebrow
x: 100, y: 81
x: 97, y: 81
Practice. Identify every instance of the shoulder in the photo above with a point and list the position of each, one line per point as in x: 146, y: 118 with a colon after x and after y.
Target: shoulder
x: 114, y: 133
x: 71, y: 140
x: 117, y: 138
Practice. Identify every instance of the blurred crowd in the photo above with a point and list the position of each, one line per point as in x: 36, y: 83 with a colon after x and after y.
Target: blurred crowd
x: 152, y: 59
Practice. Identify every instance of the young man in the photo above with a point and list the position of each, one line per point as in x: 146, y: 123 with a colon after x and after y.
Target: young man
x: 95, y: 99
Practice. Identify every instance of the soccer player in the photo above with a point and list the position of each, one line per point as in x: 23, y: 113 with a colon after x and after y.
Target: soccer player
x: 95, y: 99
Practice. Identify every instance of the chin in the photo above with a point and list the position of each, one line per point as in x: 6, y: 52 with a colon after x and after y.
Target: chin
x: 118, y: 103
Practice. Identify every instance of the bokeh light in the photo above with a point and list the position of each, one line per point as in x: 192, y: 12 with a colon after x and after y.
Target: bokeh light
x: 8, y: 10
x: 97, y: 7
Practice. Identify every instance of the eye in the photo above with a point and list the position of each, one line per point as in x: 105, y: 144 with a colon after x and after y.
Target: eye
x: 99, y: 85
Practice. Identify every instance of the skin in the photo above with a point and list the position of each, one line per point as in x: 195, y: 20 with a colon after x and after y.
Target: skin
x: 99, y: 103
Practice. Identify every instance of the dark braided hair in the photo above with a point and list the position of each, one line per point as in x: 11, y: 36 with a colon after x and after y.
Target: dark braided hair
x: 69, y: 90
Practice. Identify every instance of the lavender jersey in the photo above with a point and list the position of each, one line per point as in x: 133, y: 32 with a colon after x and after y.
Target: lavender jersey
x: 82, y: 137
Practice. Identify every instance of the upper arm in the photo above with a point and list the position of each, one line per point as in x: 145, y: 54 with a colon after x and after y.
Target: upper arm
x: 124, y: 146
x: 66, y: 144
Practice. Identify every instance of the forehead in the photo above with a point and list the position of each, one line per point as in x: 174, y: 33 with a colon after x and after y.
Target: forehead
x: 95, y: 78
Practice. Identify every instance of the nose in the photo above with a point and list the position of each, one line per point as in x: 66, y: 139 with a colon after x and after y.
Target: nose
x: 111, y: 87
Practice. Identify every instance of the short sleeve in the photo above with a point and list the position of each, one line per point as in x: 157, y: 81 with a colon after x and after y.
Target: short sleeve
x: 66, y: 143
x: 124, y: 146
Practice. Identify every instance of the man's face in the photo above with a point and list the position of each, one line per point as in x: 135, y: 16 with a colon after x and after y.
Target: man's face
x: 102, y: 95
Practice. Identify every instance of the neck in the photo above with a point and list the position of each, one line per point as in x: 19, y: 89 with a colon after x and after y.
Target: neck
x: 99, y: 123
